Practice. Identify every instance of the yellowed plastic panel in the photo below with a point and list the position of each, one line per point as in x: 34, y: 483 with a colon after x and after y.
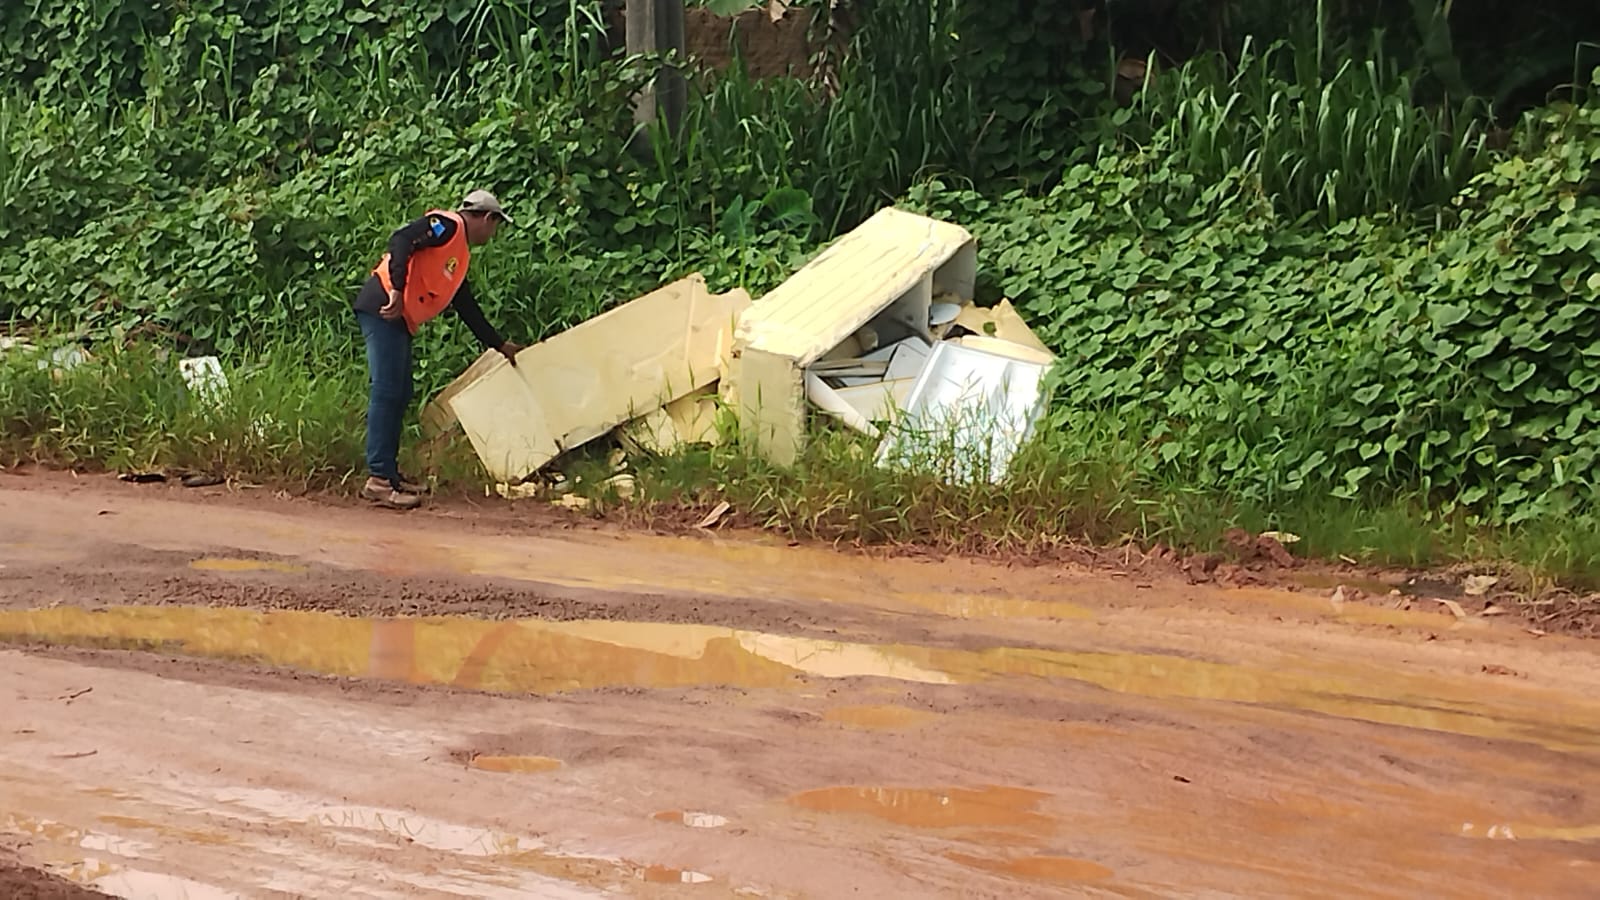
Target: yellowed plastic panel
x: 1006, y: 348
x: 587, y: 380
x: 437, y: 417
x: 686, y: 420
x: 771, y: 403
x: 892, y: 264
x: 1001, y: 321
x: 863, y: 273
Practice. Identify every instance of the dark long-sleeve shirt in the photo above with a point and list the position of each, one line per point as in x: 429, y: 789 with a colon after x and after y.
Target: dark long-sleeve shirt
x: 428, y: 231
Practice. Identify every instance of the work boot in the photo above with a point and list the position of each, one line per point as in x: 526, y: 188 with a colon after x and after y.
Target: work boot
x: 384, y: 494
x: 405, y: 484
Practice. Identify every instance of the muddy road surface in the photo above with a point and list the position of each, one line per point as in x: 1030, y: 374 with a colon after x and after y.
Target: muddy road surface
x: 260, y: 697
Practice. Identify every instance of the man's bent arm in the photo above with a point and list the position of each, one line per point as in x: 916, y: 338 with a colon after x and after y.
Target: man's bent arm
x: 466, y: 306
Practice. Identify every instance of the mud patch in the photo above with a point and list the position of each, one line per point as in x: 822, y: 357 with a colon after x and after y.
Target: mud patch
x: 18, y: 882
x: 987, y: 807
x: 514, y: 765
x: 881, y: 717
x: 522, y: 656
x: 1058, y: 869
x: 691, y: 819
x: 541, y: 657
x: 669, y: 875
x: 237, y: 564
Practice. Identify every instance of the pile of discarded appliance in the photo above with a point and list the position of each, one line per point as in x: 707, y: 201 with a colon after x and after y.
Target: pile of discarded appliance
x: 879, y: 331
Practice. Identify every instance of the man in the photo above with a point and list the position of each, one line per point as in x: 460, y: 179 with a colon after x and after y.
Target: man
x: 423, y: 273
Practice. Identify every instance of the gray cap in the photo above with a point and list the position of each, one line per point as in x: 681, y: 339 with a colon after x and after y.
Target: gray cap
x: 484, y: 202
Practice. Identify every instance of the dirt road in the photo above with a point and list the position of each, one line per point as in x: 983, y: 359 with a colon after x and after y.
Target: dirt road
x: 263, y: 697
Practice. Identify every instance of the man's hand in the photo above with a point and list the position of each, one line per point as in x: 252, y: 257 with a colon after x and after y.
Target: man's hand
x: 393, y: 309
x: 509, y: 350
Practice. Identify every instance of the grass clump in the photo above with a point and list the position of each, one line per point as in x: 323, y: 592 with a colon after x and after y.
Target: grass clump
x: 129, y: 409
x: 293, y: 418
x: 1067, y: 494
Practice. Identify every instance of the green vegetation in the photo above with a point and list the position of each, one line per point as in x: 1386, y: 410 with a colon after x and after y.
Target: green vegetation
x: 1371, y: 358
x: 1319, y: 275
x: 283, y: 420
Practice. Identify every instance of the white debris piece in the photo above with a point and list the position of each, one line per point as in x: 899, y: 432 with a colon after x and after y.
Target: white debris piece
x: 203, y: 375
x: 969, y: 411
x: 874, y: 286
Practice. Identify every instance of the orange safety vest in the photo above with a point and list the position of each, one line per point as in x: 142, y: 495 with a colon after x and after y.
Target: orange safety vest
x: 433, y: 274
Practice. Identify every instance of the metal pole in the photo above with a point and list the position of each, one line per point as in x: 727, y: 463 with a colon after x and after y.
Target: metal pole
x: 640, y: 18
x: 672, y: 91
x: 656, y: 26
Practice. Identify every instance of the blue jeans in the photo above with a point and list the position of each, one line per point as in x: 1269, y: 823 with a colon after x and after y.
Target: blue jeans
x: 389, y: 378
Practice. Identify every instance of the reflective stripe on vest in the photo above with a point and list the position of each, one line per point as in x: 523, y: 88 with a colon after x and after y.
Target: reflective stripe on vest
x: 433, y: 274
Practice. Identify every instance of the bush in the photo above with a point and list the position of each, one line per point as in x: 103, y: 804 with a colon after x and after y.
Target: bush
x: 1265, y: 359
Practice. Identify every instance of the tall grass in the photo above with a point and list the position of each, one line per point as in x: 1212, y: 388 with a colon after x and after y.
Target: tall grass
x: 1072, y: 492
x: 1338, y: 144
x: 280, y: 420
x: 903, y: 113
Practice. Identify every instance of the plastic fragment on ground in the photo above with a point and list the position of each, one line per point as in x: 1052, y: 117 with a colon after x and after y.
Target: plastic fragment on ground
x: 205, y: 379
x: 527, y: 490
x: 715, y: 516
x: 59, y: 361
x: 625, y: 486
x: 943, y: 313
x: 850, y: 368
x: 902, y: 359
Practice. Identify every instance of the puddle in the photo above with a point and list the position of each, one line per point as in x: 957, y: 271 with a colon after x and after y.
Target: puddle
x: 188, y: 835
x: 886, y: 717
x: 406, y: 827
x: 540, y: 656
x: 62, y: 855
x: 691, y: 819
x: 987, y: 807
x: 1530, y: 832
x: 1037, y: 868
x: 515, y: 764
x: 1410, y: 700
x: 1331, y: 581
x: 226, y: 564
x: 83, y: 838
x: 1359, y: 612
x: 277, y: 853
x: 665, y: 875
x: 533, y: 656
